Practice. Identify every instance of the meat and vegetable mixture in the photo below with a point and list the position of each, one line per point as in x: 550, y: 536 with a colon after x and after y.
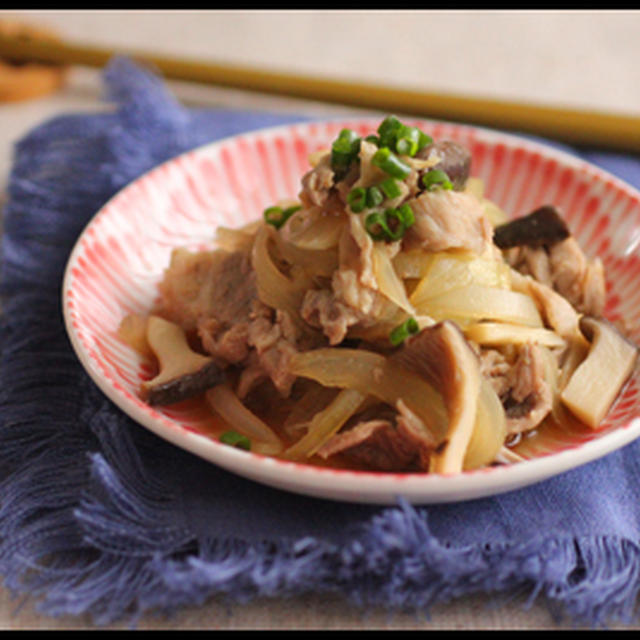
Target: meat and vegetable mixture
x: 391, y: 318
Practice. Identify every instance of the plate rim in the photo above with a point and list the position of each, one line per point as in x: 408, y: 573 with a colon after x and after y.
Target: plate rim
x: 301, y: 478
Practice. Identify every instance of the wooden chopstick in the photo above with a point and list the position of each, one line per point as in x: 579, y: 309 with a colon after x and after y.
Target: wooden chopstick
x: 575, y: 126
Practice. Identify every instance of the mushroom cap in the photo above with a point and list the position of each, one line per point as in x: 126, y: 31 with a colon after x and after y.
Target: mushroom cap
x: 441, y: 354
x: 183, y: 372
x: 542, y: 227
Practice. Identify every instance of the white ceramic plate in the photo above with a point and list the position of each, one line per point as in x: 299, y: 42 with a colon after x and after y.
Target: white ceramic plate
x: 119, y: 258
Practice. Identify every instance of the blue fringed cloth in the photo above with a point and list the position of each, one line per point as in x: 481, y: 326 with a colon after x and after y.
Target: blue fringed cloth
x: 100, y: 517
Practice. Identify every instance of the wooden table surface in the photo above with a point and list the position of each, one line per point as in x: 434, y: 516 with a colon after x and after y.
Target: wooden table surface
x: 570, y: 58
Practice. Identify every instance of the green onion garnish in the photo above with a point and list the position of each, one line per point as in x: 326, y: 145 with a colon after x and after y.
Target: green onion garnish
x: 390, y: 225
x: 408, y: 141
x: 436, y: 179
x: 345, y: 149
x: 405, y: 140
x: 386, y: 160
x: 400, y: 333
x: 374, y: 196
x: 235, y: 439
x: 357, y: 199
x: 390, y: 188
x: 376, y: 226
x: 407, y: 215
x: 373, y: 139
x: 277, y: 216
x: 388, y: 131
x: 395, y: 224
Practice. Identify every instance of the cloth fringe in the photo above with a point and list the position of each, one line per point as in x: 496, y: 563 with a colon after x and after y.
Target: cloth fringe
x: 88, y: 527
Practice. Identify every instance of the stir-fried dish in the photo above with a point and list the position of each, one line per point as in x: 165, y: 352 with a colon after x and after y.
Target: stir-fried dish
x: 391, y: 318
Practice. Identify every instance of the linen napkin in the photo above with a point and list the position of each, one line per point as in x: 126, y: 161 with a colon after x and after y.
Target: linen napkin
x: 98, y: 516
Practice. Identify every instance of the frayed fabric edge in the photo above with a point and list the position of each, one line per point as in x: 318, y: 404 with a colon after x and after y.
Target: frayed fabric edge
x: 391, y: 562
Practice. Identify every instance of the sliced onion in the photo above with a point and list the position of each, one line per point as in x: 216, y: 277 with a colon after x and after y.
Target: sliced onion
x: 389, y: 284
x: 494, y: 334
x: 372, y: 373
x: 316, y: 262
x: 313, y: 229
x: 476, y: 302
x: 453, y: 270
x: 274, y: 288
x: 489, y: 430
x: 227, y: 405
x: 326, y: 423
x: 414, y: 263
x: 239, y: 239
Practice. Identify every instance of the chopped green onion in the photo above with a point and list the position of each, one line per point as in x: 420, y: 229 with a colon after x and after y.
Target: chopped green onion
x: 373, y: 139
x: 411, y: 140
x: 390, y: 225
x: 390, y: 188
x: 235, y: 439
x: 407, y: 215
x: 395, y: 224
x: 345, y: 149
x: 374, y: 196
x: 277, y: 216
x: 376, y: 226
x: 388, y: 131
x: 408, y: 141
x: 424, y: 140
x: 390, y: 163
x: 405, y: 140
x: 400, y: 333
x: 436, y: 179
x: 357, y: 199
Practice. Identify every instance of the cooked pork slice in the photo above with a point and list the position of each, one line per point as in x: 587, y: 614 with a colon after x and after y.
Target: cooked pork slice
x: 208, y: 284
x: 564, y: 267
x: 227, y: 343
x: 353, y: 298
x: 529, y: 398
x: 375, y: 444
x: 449, y: 220
x: 530, y: 261
x: 215, y: 293
x: 580, y: 281
x: 494, y: 366
x: 411, y: 427
x: 317, y: 183
x: 556, y: 310
x: 321, y: 309
x: 273, y: 336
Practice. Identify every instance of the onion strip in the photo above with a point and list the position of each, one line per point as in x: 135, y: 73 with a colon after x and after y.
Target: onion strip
x: 227, y: 405
x: 493, y: 334
x: 326, y: 423
x: 372, y: 373
x: 448, y: 271
x: 316, y: 262
x: 274, y: 288
x: 313, y: 229
x: 489, y: 430
x: 389, y: 284
x: 483, y: 303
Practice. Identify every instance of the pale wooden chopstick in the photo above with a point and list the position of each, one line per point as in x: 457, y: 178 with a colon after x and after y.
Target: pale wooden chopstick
x: 575, y: 126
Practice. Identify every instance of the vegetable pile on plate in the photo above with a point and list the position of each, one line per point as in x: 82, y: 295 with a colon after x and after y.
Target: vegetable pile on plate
x: 390, y: 318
